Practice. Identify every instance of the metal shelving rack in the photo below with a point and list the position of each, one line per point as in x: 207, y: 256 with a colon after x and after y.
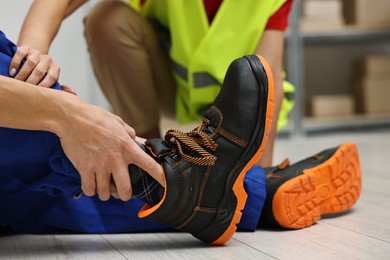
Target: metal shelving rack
x: 295, y: 43
x: 294, y: 54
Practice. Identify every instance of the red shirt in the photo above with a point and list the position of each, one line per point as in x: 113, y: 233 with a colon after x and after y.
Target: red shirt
x: 278, y: 21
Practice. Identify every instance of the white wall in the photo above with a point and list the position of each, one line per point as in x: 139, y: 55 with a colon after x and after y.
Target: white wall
x: 69, y: 49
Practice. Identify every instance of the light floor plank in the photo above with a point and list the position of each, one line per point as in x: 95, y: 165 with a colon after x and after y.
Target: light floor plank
x: 320, y: 241
x: 179, y: 246
x: 57, y: 247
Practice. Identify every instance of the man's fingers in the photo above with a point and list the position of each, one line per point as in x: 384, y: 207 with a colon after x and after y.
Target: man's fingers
x: 37, y: 69
x: 103, y: 185
x: 28, y: 66
x: 20, y: 54
x: 39, y: 72
x: 122, y: 182
x: 52, y: 75
x: 130, y: 131
x: 140, y: 140
x: 148, y: 164
x: 113, y: 190
x: 88, y: 184
x: 68, y: 89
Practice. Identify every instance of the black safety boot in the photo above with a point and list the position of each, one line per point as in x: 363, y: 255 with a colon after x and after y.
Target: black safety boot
x: 298, y: 194
x: 205, y: 168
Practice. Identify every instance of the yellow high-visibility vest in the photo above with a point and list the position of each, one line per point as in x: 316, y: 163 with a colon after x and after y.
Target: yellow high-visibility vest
x: 201, y: 52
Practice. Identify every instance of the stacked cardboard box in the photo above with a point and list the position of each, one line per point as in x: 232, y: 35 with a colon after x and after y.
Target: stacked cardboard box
x: 331, y: 105
x: 373, y: 85
x: 367, y: 13
x: 322, y: 14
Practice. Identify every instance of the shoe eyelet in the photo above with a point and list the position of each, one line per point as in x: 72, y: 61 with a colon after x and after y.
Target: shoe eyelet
x: 176, y: 157
x: 213, y: 122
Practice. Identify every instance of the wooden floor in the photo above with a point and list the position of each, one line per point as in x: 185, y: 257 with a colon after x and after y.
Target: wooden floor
x: 362, y: 233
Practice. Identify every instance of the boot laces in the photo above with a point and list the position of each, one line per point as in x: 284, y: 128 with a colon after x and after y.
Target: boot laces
x: 192, y: 145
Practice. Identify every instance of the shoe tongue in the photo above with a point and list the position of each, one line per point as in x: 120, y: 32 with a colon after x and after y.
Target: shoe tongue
x: 214, y: 118
x: 158, y: 147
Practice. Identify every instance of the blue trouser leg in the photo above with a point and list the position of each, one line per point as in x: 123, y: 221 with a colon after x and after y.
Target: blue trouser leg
x: 38, y: 183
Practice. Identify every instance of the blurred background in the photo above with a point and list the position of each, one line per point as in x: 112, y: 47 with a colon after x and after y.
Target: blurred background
x: 339, y: 59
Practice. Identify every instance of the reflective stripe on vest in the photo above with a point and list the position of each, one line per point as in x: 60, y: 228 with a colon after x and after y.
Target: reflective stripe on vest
x: 201, y: 79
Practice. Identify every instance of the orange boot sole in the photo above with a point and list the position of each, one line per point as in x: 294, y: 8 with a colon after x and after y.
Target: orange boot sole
x: 331, y: 187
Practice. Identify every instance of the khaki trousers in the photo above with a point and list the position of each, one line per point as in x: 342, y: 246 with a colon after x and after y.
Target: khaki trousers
x: 130, y: 64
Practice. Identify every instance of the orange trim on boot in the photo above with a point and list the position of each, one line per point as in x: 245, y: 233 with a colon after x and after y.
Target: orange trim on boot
x: 146, y: 209
x: 238, y: 187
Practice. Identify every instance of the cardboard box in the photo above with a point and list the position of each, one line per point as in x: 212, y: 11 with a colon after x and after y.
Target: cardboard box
x: 316, y: 25
x: 321, y: 15
x: 322, y: 8
x: 374, y: 67
x: 373, y: 96
x: 376, y: 74
x: 367, y: 13
x: 331, y: 105
x: 377, y: 63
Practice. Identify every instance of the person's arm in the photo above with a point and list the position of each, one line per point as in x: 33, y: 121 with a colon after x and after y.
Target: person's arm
x: 271, y: 48
x: 39, y: 28
x: 99, y: 144
x: 43, y: 21
x: 73, y: 6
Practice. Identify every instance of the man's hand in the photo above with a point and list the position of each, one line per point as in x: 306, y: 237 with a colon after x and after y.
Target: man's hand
x: 38, y: 69
x: 100, y: 145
